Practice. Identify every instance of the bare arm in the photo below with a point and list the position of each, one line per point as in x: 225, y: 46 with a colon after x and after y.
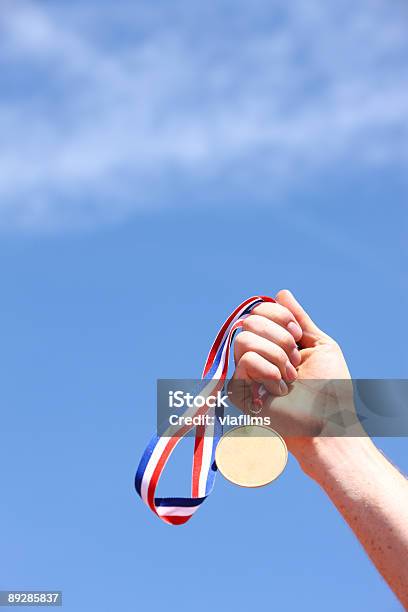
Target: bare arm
x: 372, y: 496
x: 369, y: 492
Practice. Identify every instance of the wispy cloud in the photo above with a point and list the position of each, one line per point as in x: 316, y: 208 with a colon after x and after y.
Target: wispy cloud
x: 103, y: 110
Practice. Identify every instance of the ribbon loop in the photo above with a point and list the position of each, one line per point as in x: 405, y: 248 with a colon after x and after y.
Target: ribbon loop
x: 178, y: 510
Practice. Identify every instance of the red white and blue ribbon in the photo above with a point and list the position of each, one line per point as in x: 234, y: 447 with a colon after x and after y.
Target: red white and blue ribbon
x: 178, y: 510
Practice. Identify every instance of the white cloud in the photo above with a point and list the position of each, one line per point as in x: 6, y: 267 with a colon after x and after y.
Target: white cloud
x: 102, y: 109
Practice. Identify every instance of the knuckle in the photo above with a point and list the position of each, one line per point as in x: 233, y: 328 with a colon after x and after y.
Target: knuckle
x: 248, y: 359
x: 255, y: 324
x: 264, y: 310
x: 275, y: 312
x: 243, y: 340
x: 288, y: 341
x: 248, y: 324
x: 281, y: 356
x: 285, y: 314
x: 274, y: 373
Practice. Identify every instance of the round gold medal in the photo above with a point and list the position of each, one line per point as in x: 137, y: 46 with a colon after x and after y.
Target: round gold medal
x: 251, y: 456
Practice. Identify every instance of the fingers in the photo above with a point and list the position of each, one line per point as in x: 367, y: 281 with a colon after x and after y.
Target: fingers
x: 267, y: 328
x: 310, y: 330
x: 265, y: 351
x: 252, y: 367
x: 280, y: 315
x: 249, y: 342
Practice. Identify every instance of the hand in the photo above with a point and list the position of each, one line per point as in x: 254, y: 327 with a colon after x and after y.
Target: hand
x: 302, y: 386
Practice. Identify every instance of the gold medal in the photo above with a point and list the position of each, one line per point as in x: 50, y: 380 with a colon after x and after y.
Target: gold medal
x: 251, y: 456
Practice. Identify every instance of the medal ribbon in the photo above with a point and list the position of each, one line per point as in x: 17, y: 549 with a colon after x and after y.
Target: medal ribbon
x: 178, y: 510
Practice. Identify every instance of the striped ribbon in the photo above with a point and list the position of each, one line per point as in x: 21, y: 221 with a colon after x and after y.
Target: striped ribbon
x: 178, y: 510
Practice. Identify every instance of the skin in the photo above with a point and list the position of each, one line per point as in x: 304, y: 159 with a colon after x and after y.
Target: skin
x: 368, y: 491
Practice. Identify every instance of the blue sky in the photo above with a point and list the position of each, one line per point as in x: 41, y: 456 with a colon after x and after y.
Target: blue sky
x: 157, y: 166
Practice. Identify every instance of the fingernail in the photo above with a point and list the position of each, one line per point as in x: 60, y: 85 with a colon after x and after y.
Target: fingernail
x: 295, y: 357
x: 291, y: 373
x: 295, y: 330
x: 283, y: 387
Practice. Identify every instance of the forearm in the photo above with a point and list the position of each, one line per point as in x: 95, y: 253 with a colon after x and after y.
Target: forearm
x: 372, y: 496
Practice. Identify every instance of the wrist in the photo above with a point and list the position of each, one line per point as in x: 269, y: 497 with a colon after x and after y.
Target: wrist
x: 324, y: 458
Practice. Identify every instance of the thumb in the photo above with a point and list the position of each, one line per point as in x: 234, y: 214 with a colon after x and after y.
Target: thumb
x: 311, y: 333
